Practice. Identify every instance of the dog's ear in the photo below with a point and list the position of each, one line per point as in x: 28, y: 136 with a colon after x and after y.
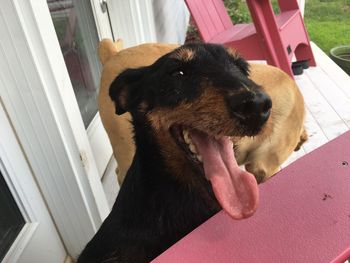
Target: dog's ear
x: 127, y: 90
x: 240, y: 62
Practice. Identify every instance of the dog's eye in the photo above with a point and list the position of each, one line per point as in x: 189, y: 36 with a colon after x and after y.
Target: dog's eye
x: 177, y: 73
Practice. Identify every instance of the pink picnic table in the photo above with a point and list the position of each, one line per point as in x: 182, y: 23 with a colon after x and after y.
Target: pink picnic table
x: 304, y: 216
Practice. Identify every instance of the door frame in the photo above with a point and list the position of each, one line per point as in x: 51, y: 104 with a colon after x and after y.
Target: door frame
x: 37, y: 94
x: 39, y: 230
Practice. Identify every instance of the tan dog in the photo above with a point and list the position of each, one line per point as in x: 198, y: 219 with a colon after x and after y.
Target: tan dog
x: 262, y: 155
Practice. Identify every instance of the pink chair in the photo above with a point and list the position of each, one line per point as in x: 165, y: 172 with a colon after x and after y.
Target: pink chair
x: 274, y: 38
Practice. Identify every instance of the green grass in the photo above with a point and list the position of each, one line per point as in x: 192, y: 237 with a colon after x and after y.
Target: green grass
x: 327, y: 21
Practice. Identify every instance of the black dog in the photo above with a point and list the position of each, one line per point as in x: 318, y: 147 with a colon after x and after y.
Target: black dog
x: 185, y: 109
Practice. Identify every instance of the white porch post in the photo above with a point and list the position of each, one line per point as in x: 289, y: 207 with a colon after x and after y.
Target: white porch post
x: 35, y: 89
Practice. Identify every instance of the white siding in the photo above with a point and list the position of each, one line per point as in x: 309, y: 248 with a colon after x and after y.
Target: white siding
x: 132, y: 21
x: 171, y: 19
x: 142, y: 21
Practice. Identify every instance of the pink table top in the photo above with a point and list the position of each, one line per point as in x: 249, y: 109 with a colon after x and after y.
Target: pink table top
x: 304, y: 216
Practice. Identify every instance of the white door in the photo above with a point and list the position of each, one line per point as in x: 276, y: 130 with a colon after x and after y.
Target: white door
x: 79, y: 25
x: 27, y: 232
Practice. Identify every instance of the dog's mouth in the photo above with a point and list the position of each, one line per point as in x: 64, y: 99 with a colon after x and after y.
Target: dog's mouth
x: 235, y: 190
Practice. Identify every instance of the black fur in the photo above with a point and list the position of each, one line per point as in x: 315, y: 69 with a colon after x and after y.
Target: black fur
x: 153, y: 209
x: 162, y: 85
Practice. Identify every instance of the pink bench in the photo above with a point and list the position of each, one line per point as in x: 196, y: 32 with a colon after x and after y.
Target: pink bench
x: 274, y: 38
x: 304, y: 216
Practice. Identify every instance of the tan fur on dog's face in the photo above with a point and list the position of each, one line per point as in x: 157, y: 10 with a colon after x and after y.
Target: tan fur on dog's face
x: 211, y: 116
x: 262, y: 154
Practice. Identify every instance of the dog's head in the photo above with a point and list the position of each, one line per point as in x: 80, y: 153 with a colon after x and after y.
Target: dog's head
x: 197, y: 98
x: 199, y: 84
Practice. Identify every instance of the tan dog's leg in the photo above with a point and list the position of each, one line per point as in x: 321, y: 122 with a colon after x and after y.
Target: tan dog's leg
x: 303, y: 138
x: 267, y: 160
x: 263, y: 169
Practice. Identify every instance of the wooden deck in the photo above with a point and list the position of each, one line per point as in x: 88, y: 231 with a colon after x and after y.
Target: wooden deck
x: 326, y: 90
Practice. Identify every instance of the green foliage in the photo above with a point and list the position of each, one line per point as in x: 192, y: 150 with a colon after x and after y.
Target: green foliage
x: 239, y: 13
x: 237, y: 10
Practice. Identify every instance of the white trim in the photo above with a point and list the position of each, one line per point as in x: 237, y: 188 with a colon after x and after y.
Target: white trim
x: 21, y: 242
x: 39, y: 230
x: 100, y: 144
x: 37, y: 93
x: 18, y: 194
x: 102, y: 21
x: 13, y: 183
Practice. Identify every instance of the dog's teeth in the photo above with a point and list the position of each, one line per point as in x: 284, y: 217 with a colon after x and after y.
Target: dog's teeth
x: 187, y: 137
x: 185, y: 133
x: 193, y: 148
x: 199, y: 157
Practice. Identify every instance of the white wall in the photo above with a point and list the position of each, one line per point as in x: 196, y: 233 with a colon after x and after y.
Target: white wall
x: 171, y: 19
x: 141, y: 21
x: 132, y: 21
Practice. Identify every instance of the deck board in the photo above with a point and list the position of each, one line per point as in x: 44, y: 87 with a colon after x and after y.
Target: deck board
x: 326, y: 90
x: 338, y: 76
x: 323, y: 112
x: 334, y: 96
x: 316, y: 135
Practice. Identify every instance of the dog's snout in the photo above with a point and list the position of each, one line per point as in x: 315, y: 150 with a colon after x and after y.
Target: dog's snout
x: 253, y: 107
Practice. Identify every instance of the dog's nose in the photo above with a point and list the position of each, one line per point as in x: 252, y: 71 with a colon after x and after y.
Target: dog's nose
x: 254, y: 107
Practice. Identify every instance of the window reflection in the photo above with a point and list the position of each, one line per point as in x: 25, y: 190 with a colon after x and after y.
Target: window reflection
x: 77, y: 34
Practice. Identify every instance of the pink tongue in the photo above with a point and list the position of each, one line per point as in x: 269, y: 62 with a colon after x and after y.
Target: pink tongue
x: 236, y: 190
